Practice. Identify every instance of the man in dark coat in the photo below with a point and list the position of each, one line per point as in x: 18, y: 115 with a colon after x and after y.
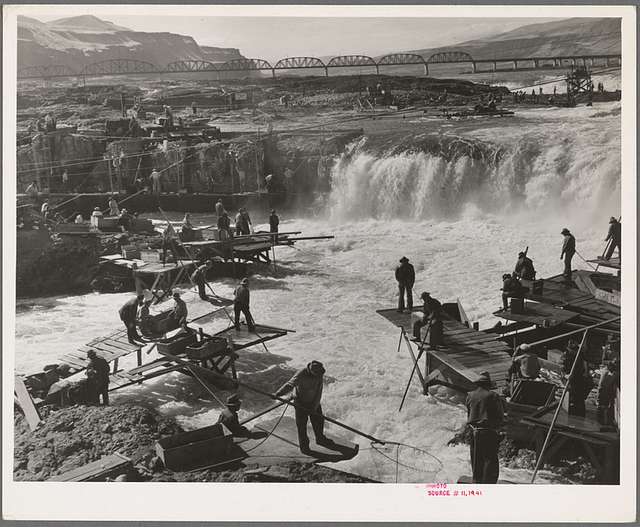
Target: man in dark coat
x: 128, y: 315
x: 241, y: 305
x: 485, y: 417
x: 199, y: 277
x: 577, y: 382
x: 511, y: 288
x: 406, y: 277
x: 568, y: 250
x: 524, y: 267
x: 274, y: 222
x: 307, y: 384
x: 614, y: 237
x: 98, y: 378
x: 180, y: 311
x: 224, y: 226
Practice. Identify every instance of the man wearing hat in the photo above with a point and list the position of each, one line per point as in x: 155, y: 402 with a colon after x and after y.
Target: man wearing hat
x: 129, y: 314
x: 614, y: 237
x: 568, y: 250
x: 98, y: 378
x: 241, y: 305
x: 406, y: 277
x: 229, y: 417
x: 525, y: 365
x: 524, y: 267
x: 179, y: 313
x: 307, y: 384
x: 485, y: 417
x: 432, y: 309
x: 274, y: 221
x: 199, y: 277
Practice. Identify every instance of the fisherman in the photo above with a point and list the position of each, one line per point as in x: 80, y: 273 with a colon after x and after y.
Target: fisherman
x: 525, y: 365
x: 128, y: 314
x: 199, y: 277
x: 187, y: 230
x: 578, y: 381
x: 32, y: 190
x: 241, y: 305
x: 242, y: 225
x: 224, y: 227
x: 113, y: 207
x: 44, y: 210
x: 219, y: 207
x: 179, y: 313
x: 124, y: 221
x: 614, y: 237
x: 511, y: 288
x: 247, y: 220
x: 229, y: 418
x: 308, y: 394
x: 406, y: 277
x: 611, y: 349
x: 607, y: 390
x: 98, y: 377
x: 524, y: 267
x: 274, y: 221
x: 485, y: 416
x: 568, y: 250
x: 155, y: 182
x: 432, y: 310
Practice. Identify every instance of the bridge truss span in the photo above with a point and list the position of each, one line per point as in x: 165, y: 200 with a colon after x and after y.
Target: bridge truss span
x: 46, y: 72
x: 190, y: 65
x: 119, y: 67
x: 295, y: 63
x: 402, y: 59
x: 352, y: 61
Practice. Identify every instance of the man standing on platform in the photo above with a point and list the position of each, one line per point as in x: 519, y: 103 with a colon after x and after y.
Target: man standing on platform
x: 568, y: 250
x: 199, y: 277
x: 485, y: 417
x: 219, y: 207
x: 179, y: 313
x: 224, y: 227
x: 274, y: 221
x: 241, y: 305
x: 128, y: 315
x: 406, y: 277
x: 308, y: 394
x: 614, y: 237
x: 98, y: 378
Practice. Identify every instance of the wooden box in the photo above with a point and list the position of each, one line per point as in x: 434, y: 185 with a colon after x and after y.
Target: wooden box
x: 130, y: 252
x: 194, y: 449
x: 177, y: 344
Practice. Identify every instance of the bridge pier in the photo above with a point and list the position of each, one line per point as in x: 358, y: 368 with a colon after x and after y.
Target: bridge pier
x: 377, y: 69
x: 536, y: 63
x: 273, y: 73
x: 557, y: 63
x: 426, y: 69
x: 494, y: 66
x: 326, y: 71
x: 473, y: 67
x: 515, y: 65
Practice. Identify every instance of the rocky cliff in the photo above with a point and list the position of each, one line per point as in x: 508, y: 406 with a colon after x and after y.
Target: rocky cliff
x: 79, y: 41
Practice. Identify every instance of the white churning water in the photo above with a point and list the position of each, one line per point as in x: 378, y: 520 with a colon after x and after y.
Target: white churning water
x: 461, y: 223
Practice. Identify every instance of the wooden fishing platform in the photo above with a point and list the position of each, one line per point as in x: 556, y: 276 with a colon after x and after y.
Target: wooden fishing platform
x: 568, y: 296
x: 465, y: 353
x: 586, y: 430
x: 539, y: 314
x: 110, y: 347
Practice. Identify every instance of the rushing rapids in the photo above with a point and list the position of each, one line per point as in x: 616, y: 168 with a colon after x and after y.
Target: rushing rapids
x: 459, y: 206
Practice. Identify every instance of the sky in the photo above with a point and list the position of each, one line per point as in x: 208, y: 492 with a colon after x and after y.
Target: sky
x: 275, y: 37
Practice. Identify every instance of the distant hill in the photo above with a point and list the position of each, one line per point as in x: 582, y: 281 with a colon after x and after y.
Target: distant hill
x: 81, y: 40
x: 573, y: 36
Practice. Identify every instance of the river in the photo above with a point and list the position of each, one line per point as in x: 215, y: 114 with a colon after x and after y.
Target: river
x: 460, y: 219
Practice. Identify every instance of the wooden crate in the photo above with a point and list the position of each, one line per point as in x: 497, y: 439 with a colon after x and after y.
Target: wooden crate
x: 194, y: 449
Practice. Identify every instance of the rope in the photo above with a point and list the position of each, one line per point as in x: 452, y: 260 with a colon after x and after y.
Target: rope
x: 585, y: 261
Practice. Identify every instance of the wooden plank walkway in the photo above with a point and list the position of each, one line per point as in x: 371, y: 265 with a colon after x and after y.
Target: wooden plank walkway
x: 536, y: 313
x: 242, y: 338
x: 556, y: 292
x: 109, y: 347
x: 465, y: 351
x: 99, y: 470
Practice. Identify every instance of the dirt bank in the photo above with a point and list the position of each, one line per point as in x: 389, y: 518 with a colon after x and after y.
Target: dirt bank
x: 71, y: 437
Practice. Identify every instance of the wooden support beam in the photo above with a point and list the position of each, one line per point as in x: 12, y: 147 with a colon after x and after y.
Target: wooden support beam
x: 413, y: 357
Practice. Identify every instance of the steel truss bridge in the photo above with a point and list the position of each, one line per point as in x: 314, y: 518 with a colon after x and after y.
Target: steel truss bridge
x: 243, y: 67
